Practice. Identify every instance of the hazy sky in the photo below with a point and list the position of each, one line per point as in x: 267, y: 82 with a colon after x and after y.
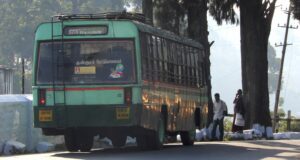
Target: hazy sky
x: 226, y: 61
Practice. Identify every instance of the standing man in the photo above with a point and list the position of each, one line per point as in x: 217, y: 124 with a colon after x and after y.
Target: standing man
x: 220, y: 110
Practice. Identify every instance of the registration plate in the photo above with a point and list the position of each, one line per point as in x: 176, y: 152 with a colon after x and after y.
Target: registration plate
x: 122, y: 113
x: 45, y: 115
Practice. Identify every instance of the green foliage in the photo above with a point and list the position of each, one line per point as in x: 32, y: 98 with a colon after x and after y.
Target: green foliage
x: 282, y: 124
x: 280, y: 112
x: 296, y: 8
x: 227, y: 124
x: 17, y: 84
x: 136, y: 4
x: 223, y: 10
x: 274, y: 66
x: 295, y: 126
x: 167, y: 14
x: 19, y: 19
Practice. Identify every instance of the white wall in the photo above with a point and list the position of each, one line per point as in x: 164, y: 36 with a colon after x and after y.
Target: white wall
x: 16, y: 122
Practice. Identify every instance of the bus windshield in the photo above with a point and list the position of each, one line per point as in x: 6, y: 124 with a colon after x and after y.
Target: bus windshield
x: 86, y: 62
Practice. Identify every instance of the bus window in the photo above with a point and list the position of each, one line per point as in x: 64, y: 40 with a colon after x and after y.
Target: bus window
x: 193, y: 67
x: 197, y: 68
x: 86, y: 62
x: 160, y: 59
x: 179, y: 60
x: 176, y: 50
x: 165, y: 55
x: 171, y: 60
x: 155, y: 58
x: 150, y: 58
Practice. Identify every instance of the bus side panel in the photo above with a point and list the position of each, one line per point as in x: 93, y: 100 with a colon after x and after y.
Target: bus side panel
x: 181, y: 106
x: 186, y: 116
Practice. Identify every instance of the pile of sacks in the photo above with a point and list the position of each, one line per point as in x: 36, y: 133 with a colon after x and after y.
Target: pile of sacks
x: 12, y: 147
x: 246, y: 135
x: 257, y: 132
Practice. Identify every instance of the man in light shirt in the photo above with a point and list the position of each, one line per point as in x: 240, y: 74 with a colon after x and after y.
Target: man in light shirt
x: 220, y: 110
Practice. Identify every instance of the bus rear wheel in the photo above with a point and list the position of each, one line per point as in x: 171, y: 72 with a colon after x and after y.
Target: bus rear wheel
x: 142, y: 141
x: 118, y: 141
x: 188, y: 137
x: 157, y: 137
x: 85, y: 141
x: 71, y: 140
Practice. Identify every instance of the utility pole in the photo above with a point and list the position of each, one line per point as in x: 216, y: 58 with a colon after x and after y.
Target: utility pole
x: 23, y: 76
x: 287, y: 27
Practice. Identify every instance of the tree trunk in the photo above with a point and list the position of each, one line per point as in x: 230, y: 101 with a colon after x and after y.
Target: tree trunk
x: 255, y: 30
x: 167, y: 14
x: 148, y: 11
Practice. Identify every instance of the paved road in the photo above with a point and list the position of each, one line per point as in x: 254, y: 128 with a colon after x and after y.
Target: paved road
x: 239, y: 150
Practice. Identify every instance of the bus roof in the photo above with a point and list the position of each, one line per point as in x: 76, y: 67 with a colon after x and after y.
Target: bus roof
x: 137, y: 19
x: 166, y: 34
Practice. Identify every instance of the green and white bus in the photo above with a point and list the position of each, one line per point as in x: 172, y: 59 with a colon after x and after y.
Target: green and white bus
x: 114, y: 76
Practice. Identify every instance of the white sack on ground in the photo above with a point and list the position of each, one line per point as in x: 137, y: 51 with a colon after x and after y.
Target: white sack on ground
x: 130, y: 141
x: 1, y: 147
x: 43, y: 147
x: 13, y: 147
x: 269, y: 132
x: 201, y: 134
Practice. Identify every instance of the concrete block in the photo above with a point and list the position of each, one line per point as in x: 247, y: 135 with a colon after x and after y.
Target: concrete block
x: 248, y: 136
x: 269, y: 132
x: 236, y: 136
x: 280, y: 136
x: 294, y: 135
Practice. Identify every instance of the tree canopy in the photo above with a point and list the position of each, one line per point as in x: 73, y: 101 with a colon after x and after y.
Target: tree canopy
x: 296, y: 8
x: 20, y: 18
x: 255, y: 23
x: 274, y: 66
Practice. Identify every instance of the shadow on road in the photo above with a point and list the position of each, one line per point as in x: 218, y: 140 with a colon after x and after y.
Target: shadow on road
x: 277, y: 143
x: 205, y: 150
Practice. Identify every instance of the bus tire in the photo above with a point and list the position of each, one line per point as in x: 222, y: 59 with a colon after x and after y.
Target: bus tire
x: 187, y: 137
x: 119, y: 141
x: 142, y: 141
x: 86, y: 141
x: 157, y: 137
x: 71, y: 140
